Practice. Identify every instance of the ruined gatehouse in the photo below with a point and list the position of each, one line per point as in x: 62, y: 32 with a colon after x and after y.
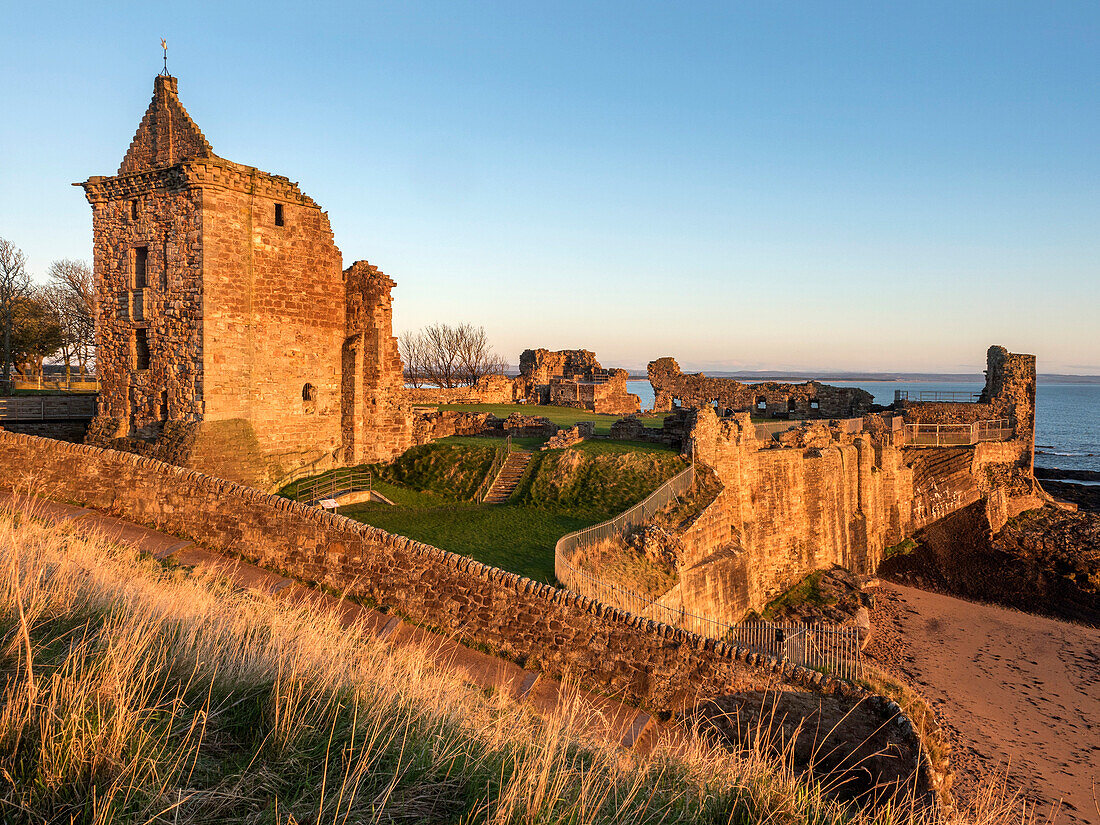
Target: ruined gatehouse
x: 229, y: 335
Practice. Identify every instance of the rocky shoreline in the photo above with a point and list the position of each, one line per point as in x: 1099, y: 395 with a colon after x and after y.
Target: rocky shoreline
x: 1065, y: 485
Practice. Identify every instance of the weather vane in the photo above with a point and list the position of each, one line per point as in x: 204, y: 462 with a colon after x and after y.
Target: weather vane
x: 164, y: 45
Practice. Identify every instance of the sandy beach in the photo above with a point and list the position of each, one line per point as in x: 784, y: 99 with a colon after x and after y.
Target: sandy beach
x: 1015, y: 692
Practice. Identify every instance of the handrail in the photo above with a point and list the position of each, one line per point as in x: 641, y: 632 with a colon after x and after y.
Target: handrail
x: 499, y: 460
x: 928, y: 435
x: 46, y: 407
x: 958, y: 435
x: 827, y: 648
x: 926, y: 396
x: 639, y: 513
x: 331, y: 485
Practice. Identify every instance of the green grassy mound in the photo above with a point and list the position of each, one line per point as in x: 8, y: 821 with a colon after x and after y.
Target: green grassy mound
x: 598, y: 479
x: 562, y: 491
x: 452, y: 468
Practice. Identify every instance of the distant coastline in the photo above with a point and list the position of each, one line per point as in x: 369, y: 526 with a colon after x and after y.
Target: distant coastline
x: 908, y: 377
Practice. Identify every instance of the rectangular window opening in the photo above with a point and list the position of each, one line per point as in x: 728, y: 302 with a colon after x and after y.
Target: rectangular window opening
x: 141, y: 266
x: 134, y: 210
x: 164, y: 268
x: 141, y: 349
x: 279, y: 215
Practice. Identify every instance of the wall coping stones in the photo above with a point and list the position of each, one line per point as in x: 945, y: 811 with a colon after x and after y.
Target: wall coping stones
x: 712, y: 658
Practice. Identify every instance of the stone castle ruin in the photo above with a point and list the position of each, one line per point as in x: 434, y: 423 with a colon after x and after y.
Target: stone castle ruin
x: 573, y: 378
x: 232, y: 340
x: 769, y: 399
x: 843, y: 491
x: 562, y: 378
x: 229, y: 335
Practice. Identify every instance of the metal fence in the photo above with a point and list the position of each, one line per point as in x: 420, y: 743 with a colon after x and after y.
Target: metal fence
x: 833, y: 650
x: 47, y: 407
x: 953, y: 396
x: 337, y: 483
x: 636, y: 515
x: 920, y: 435
x: 828, y: 648
x: 958, y: 435
x: 498, y: 464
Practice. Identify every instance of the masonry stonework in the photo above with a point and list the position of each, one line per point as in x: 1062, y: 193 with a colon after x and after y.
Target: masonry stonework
x: 224, y: 312
x: 820, y: 495
x: 768, y: 399
x: 573, y: 378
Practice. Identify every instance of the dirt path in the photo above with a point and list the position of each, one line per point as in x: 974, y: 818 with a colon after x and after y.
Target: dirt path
x: 1014, y: 691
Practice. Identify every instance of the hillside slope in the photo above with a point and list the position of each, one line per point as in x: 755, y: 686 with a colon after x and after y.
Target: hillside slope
x: 139, y: 693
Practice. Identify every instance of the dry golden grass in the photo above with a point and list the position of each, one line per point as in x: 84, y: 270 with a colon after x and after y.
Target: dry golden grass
x: 614, y: 561
x: 136, y: 693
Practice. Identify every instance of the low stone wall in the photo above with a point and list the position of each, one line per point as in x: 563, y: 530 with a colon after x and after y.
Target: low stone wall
x: 655, y: 666
x: 74, y: 429
x: 944, y: 412
x: 663, y: 669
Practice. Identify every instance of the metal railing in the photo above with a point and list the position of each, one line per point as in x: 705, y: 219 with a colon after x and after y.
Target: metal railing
x: 830, y: 649
x: 47, y: 407
x: 833, y: 650
x: 636, y: 515
x: 499, y: 460
x: 954, y: 396
x: 958, y: 435
x: 334, y: 484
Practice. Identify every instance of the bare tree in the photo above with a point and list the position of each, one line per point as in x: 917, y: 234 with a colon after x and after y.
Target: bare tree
x: 412, y: 348
x: 441, y: 355
x: 475, y: 355
x: 448, y: 356
x: 71, y: 294
x: 15, y: 285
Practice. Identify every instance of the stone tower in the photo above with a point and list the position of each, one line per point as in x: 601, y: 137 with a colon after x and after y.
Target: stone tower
x: 376, y: 426
x: 222, y: 313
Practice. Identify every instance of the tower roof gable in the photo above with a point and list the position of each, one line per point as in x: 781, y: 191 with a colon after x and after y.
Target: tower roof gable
x: 166, y: 135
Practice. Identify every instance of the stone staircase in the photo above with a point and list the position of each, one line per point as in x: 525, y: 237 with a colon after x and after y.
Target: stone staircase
x: 508, y: 478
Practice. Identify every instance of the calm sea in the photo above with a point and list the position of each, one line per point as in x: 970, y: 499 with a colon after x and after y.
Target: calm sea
x: 1067, y: 416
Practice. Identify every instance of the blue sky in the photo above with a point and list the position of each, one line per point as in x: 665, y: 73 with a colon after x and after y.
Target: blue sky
x: 771, y: 185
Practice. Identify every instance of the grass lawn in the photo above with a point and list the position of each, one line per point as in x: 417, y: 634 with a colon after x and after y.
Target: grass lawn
x: 562, y: 416
x: 562, y: 491
x: 509, y: 536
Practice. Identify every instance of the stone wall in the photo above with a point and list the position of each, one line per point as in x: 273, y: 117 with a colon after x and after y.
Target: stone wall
x: 489, y: 389
x: 607, y: 396
x: 156, y: 211
x: 573, y: 378
x: 657, y: 667
x: 377, y: 419
x: 786, y: 510
x: 768, y: 399
x: 273, y: 313
x: 222, y: 303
